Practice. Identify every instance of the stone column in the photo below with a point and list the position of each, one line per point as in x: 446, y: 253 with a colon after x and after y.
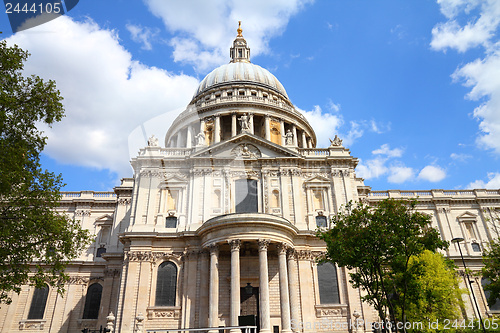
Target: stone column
x: 204, y: 288
x: 293, y: 287
x: 284, y: 296
x: 282, y: 130
x: 213, y: 296
x: 309, y: 143
x: 294, y: 131
x: 304, y: 140
x: 250, y: 123
x: 267, y: 125
x: 189, y: 137
x: 265, y: 313
x: 179, y: 140
x: 217, y: 129
x: 235, y: 283
x: 233, y: 125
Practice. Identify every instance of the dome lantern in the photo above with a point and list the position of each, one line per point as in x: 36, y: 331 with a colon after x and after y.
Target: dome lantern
x: 239, y: 52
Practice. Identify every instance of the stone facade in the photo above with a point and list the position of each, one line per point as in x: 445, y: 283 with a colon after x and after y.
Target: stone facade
x: 231, y: 204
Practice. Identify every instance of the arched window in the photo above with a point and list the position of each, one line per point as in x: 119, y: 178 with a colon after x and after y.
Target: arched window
x: 92, y: 301
x: 38, y: 302
x: 328, y: 284
x: 166, y: 284
x: 100, y: 252
x: 275, y: 199
x: 216, y: 199
x: 318, y: 199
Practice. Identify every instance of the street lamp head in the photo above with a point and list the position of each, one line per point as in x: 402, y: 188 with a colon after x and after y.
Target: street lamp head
x: 457, y: 240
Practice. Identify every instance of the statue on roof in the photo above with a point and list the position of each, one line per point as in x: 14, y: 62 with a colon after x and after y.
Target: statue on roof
x: 336, y: 142
x: 153, y: 141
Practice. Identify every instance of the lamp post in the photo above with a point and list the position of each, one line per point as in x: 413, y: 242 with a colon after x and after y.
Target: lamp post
x: 458, y: 240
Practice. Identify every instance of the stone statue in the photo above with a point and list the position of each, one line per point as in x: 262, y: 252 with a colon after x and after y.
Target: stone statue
x: 153, y: 141
x: 288, y: 138
x: 335, y: 142
x: 200, y: 139
x: 244, y: 123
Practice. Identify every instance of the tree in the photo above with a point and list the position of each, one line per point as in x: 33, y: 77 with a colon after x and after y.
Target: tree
x: 376, y: 243
x: 35, y: 241
x: 491, y: 271
x: 433, y: 292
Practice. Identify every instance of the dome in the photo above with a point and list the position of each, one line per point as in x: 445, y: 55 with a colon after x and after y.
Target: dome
x: 241, y: 72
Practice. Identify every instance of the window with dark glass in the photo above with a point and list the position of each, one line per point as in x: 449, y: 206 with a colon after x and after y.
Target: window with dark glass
x: 100, y: 252
x: 38, y: 302
x: 485, y: 282
x: 476, y: 247
x: 328, y: 284
x: 246, y: 196
x: 171, y: 222
x: 92, y: 301
x: 321, y: 221
x: 166, y: 284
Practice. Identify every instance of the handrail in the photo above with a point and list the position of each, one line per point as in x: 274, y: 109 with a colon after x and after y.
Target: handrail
x: 247, y: 329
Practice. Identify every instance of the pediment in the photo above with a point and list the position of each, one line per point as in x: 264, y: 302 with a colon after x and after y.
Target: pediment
x: 175, y: 180
x: 104, y: 220
x: 245, y: 146
x: 317, y: 179
x: 467, y: 216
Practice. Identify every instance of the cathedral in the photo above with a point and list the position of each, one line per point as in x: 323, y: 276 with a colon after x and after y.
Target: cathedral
x: 217, y: 226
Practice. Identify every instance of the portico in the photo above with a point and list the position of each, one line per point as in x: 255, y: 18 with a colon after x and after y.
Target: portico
x: 237, y: 232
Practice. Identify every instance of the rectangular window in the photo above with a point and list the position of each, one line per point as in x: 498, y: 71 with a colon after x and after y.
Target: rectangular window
x: 171, y: 222
x: 321, y: 221
x: 246, y: 196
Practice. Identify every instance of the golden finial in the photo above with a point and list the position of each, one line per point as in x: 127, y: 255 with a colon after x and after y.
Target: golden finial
x: 239, y: 29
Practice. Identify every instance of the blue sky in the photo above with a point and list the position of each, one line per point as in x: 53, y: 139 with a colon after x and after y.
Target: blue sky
x: 412, y: 87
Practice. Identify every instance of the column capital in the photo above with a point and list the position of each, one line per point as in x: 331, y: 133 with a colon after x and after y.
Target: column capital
x: 213, y: 248
x: 282, y: 248
x: 235, y: 244
x: 263, y: 244
x: 291, y: 254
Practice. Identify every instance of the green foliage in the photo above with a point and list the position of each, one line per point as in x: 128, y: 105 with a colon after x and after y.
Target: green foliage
x: 491, y: 271
x: 376, y: 243
x: 433, y: 292
x: 35, y: 241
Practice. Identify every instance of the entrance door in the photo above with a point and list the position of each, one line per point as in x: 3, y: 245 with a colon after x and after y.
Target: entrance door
x: 250, y: 304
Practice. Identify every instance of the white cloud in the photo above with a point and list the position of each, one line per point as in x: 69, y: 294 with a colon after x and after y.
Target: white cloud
x: 335, y: 107
x: 355, y: 132
x: 209, y: 27
x: 387, y: 151
x: 432, y: 174
x: 460, y: 157
x: 399, y: 174
x: 379, y: 127
x: 142, y: 35
x: 492, y: 183
x: 482, y: 75
x: 477, y: 31
x: 373, y: 168
x: 326, y: 125
x: 377, y: 167
x: 106, y: 93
